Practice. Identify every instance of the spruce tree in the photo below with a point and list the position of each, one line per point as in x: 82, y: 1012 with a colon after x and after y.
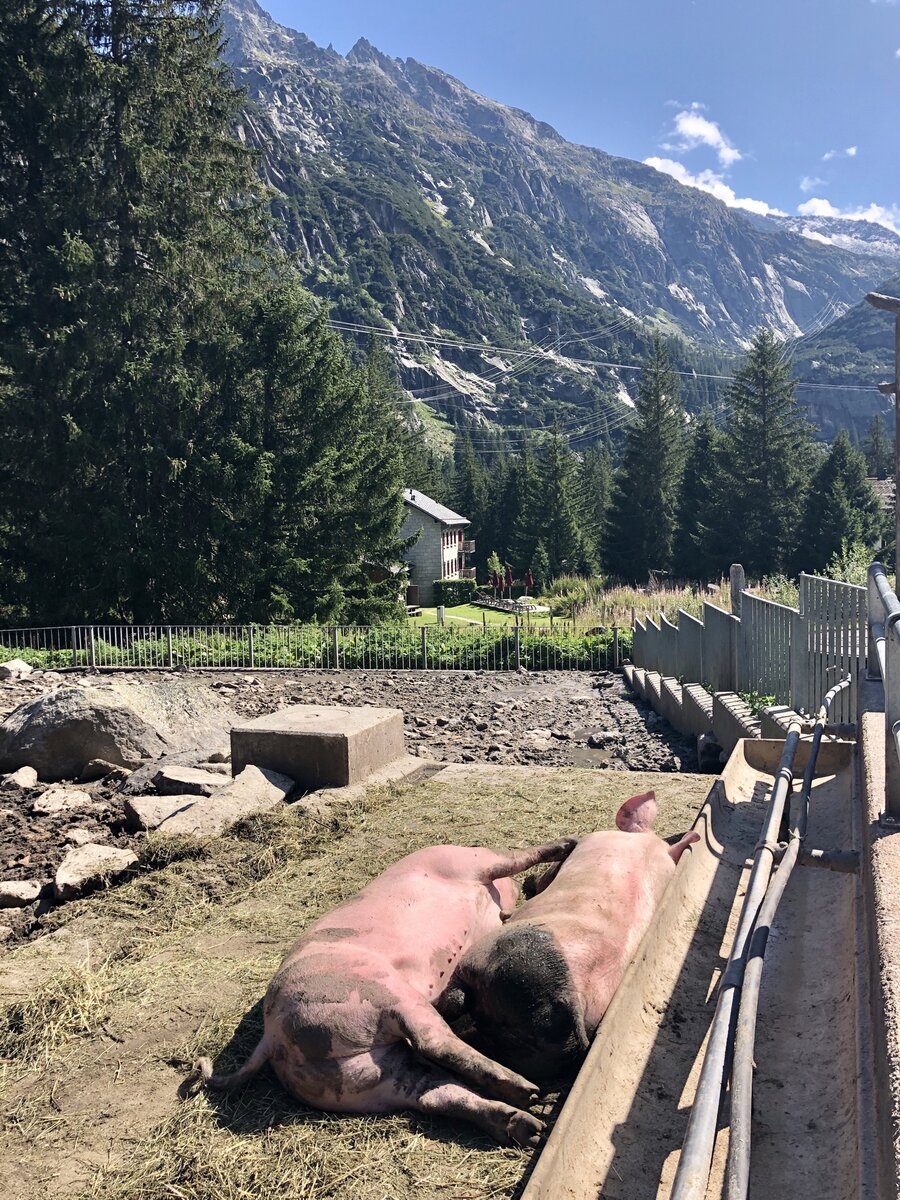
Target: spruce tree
x: 841, y: 508
x: 557, y: 513
x: 701, y: 551
x: 879, y: 449
x: 643, y: 514
x: 767, y: 461
x: 596, y: 487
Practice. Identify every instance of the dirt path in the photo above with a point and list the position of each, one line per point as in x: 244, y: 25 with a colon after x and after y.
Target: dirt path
x: 106, y: 1016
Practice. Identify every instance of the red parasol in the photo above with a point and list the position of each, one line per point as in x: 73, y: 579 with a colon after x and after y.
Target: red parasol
x: 529, y: 580
x: 509, y: 577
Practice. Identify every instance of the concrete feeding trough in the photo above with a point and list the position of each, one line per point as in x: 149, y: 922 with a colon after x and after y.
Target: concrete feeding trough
x: 321, y: 746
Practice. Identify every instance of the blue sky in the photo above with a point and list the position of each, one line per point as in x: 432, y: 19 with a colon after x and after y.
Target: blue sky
x: 791, y: 104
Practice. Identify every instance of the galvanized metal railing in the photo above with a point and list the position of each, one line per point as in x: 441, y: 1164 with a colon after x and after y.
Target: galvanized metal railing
x: 884, y: 664
x: 316, y: 647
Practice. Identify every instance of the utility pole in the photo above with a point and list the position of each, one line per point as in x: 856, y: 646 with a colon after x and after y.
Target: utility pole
x: 891, y: 304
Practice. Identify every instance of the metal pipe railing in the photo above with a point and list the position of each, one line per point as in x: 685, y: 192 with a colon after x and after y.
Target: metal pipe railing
x: 692, y: 1175
x: 884, y: 663
x: 737, y: 1180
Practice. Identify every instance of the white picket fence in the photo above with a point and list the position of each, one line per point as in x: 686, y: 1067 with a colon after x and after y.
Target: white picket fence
x: 792, y: 654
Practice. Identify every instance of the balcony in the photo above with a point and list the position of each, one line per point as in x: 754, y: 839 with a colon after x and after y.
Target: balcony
x: 468, y: 547
x: 467, y: 572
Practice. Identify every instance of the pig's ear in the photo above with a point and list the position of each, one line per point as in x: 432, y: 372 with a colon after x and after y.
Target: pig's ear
x: 676, y: 851
x: 637, y: 814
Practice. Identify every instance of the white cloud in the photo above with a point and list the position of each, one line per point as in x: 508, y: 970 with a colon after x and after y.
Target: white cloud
x: 897, y: 52
x: 848, y: 152
x: 851, y: 151
x: 809, y: 183
x: 693, y: 129
x: 710, y: 181
x: 879, y: 214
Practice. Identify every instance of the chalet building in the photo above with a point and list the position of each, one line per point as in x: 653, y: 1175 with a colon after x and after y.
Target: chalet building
x: 441, y: 549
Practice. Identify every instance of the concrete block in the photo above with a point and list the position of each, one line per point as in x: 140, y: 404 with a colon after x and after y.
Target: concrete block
x: 672, y: 708
x: 628, y: 672
x: 732, y: 720
x: 652, y: 688
x: 319, y: 746
x: 638, y: 683
x: 696, y: 709
x: 774, y: 720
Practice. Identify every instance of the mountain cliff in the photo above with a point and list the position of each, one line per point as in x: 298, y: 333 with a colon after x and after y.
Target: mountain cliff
x: 416, y: 205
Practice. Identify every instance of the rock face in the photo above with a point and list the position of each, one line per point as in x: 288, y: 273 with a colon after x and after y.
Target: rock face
x: 252, y: 791
x: 86, y: 867
x: 60, y: 733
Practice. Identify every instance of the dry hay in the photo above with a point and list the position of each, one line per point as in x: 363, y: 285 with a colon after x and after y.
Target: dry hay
x: 94, y: 1054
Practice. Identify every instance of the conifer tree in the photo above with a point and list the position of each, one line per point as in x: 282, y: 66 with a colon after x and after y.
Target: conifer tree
x: 879, y: 449
x: 557, y: 512
x: 701, y: 550
x: 841, y: 508
x: 767, y: 461
x: 596, y: 487
x: 642, y: 522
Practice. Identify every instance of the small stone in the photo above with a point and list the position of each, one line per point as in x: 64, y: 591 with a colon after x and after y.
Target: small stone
x: 148, y: 812
x: 183, y: 781
x: 25, y: 777
x: 481, y: 726
x: 6, y: 932
x: 86, y: 867
x: 15, y: 668
x: 18, y: 893
x: 99, y: 768
x: 80, y: 837
x: 602, y: 739
x: 58, y: 800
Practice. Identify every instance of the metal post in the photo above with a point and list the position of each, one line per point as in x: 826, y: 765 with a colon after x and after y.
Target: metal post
x: 170, y: 655
x: 425, y: 647
x: 892, y: 728
x: 252, y: 645
x: 336, y: 646
x: 615, y: 646
x: 93, y: 651
x: 518, y: 650
x: 73, y: 637
x: 738, y: 583
x: 874, y: 616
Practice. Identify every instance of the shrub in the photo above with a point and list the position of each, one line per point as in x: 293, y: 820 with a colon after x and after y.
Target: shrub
x: 451, y: 592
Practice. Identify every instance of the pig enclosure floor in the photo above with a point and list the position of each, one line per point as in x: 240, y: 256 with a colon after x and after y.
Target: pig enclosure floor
x: 107, y: 1012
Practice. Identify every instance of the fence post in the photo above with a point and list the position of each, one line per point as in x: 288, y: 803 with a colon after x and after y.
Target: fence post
x: 874, y: 616
x: 252, y: 642
x: 738, y: 583
x: 518, y: 650
x: 615, y: 646
x: 424, y: 648
x: 93, y: 651
x: 799, y: 664
x: 73, y: 637
x: 169, y: 652
x: 336, y: 646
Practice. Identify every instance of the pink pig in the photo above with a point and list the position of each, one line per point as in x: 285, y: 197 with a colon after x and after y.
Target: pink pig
x: 538, y: 988
x: 350, y: 1022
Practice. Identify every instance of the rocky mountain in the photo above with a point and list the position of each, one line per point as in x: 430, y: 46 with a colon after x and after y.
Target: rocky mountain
x: 515, y: 263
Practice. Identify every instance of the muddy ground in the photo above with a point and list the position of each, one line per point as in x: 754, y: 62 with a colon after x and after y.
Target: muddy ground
x: 550, y: 719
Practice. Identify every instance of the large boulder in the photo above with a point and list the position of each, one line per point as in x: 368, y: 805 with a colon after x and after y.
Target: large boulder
x: 255, y: 790
x: 61, y: 732
x: 90, y: 866
x: 14, y: 668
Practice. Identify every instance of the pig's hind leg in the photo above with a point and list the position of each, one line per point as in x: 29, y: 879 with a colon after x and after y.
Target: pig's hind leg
x: 401, y: 1081
x: 433, y: 1039
x: 500, y: 864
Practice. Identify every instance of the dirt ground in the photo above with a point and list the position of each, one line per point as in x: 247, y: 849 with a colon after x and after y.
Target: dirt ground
x: 106, y: 1014
x: 551, y: 719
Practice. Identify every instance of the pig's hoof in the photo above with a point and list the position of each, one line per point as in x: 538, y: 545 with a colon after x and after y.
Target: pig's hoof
x: 523, y: 1129
x: 518, y: 1091
x: 564, y: 847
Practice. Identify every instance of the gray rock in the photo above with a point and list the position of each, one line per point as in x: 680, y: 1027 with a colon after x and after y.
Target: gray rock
x: 98, y: 768
x: 76, y: 836
x: 604, y: 738
x: 61, y: 732
x: 186, y: 781
x: 59, y: 800
x: 149, y: 812
x: 25, y: 777
x: 18, y: 893
x: 253, y: 791
x: 15, y: 668
x: 87, y: 867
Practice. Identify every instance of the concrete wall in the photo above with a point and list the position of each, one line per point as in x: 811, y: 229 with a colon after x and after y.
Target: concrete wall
x: 428, y: 559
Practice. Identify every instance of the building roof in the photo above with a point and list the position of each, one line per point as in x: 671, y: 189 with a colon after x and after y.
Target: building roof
x: 884, y: 490
x: 439, y: 512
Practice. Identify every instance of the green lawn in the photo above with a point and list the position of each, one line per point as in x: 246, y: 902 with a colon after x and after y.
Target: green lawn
x: 466, y: 613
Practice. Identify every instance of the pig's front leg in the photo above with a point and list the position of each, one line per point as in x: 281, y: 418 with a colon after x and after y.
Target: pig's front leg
x: 433, y: 1039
